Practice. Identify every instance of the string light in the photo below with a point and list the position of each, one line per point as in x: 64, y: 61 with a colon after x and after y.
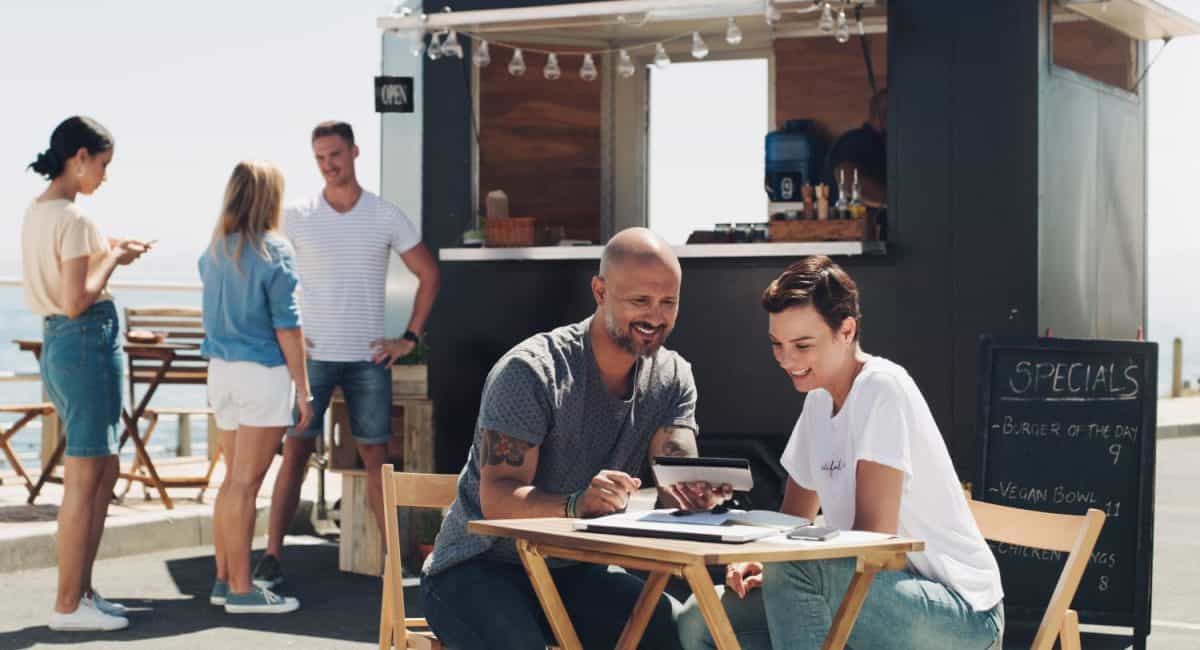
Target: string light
x: 699, y: 49
x: 481, y: 57
x: 446, y: 42
x: 625, y: 68
x: 588, y: 71
x: 434, y: 51
x: 733, y: 35
x: 451, y: 47
x: 516, y: 67
x: 842, y: 34
x: 661, y: 60
x: 552, y: 71
x: 825, y: 24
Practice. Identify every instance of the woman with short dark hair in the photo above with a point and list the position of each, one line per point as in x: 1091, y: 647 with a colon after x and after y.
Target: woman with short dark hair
x: 66, y: 265
x: 867, y: 452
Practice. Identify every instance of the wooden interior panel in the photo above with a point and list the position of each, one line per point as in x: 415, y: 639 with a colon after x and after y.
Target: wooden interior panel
x: 539, y: 141
x: 821, y: 79
x: 1094, y: 50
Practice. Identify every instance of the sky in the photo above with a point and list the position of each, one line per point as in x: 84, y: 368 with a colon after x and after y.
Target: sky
x: 188, y: 89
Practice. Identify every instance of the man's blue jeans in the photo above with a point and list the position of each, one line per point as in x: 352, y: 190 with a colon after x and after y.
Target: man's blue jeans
x: 490, y: 605
x: 794, y: 609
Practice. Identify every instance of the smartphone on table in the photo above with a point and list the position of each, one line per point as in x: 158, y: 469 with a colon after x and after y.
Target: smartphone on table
x: 812, y: 533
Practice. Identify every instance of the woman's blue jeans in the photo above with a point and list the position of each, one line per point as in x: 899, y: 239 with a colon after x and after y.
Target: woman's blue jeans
x: 794, y: 609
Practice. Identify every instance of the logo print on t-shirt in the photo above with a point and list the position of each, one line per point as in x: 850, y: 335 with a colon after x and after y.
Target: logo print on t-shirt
x: 832, y: 466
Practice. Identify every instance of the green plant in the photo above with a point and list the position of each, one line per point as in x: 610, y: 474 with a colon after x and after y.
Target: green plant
x: 418, y: 357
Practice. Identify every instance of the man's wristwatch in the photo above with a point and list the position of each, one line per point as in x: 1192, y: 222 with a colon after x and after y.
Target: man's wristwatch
x: 410, y: 335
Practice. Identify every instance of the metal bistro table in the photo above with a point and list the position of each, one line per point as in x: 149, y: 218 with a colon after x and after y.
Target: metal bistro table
x: 165, y: 354
x: 538, y: 539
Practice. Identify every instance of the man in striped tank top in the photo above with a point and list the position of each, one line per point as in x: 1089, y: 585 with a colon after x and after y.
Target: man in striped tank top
x: 344, y: 239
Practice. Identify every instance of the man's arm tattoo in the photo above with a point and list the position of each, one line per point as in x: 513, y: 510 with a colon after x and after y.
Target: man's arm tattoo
x: 500, y: 448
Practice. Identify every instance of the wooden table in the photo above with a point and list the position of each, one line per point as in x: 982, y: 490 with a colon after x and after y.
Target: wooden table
x: 164, y: 353
x: 538, y: 539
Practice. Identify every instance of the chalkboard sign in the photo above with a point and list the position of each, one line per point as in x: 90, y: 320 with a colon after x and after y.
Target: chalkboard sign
x: 1066, y: 425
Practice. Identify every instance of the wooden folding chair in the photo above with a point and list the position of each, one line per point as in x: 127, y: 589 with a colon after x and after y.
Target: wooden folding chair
x: 27, y: 412
x: 180, y: 325
x: 1072, y: 534
x: 151, y: 415
x: 416, y: 491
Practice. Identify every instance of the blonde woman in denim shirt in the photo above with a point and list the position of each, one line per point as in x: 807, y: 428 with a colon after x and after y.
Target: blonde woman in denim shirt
x: 66, y: 265
x: 256, y: 369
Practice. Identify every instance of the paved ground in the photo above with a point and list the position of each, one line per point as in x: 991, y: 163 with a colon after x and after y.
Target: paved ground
x: 169, y: 589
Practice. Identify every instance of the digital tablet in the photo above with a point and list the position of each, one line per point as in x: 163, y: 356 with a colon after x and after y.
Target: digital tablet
x: 669, y: 470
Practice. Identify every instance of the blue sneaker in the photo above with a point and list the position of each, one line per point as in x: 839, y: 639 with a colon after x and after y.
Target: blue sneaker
x: 259, y: 601
x: 219, y: 592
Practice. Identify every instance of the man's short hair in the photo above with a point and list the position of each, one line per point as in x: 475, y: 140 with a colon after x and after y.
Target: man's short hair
x: 334, y: 127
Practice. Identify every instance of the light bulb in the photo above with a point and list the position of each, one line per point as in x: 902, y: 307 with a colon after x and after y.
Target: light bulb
x: 625, y: 67
x: 699, y: 49
x: 481, y: 57
x: 451, y: 46
x: 661, y: 60
x: 516, y: 67
x: 416, y: 44
x: 842, y: 34
x: 825, y: 24
x: 733, y: 35
x: 772, y: 13
x: 588, y: 71
x: 552, y: 71
x: 434, y: 51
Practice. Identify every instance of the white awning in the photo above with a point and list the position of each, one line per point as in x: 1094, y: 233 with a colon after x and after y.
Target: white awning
x: 1144, y: 20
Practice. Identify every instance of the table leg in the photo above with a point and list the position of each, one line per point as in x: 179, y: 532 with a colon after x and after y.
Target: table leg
x: 710, y: 606
x: 547, y: 593
x: 639, y: 618
x: 852, y: 602
x: 48, y: 470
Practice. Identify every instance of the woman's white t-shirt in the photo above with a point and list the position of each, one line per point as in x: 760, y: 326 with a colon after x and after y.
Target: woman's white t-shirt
x: 885, y: 420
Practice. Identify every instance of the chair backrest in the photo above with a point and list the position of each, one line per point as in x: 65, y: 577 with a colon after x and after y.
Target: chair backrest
x: 180, y: 325
x: 416, y: 491
x: 1072, y: 534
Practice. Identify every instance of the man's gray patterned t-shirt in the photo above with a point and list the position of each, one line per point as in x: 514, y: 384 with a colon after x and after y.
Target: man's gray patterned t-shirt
x: 547, y: 391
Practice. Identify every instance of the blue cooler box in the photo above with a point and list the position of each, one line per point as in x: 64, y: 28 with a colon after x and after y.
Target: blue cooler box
x: 794, y: 156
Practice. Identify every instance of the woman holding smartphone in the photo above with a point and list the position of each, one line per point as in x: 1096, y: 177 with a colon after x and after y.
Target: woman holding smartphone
x: 66, y: 265
x: 867, y: 452
x: 256, y: 372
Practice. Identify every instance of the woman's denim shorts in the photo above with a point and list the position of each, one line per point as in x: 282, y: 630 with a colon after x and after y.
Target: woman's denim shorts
x: 82, y: 371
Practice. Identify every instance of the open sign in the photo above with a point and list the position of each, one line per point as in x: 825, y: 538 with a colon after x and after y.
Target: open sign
x: 393, y: 94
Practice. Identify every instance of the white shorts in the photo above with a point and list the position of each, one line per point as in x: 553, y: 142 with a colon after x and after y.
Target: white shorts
x: 250, y: 394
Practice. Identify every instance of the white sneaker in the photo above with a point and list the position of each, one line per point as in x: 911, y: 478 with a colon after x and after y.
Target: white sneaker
x: 106, y: 606
x: 87, y: 618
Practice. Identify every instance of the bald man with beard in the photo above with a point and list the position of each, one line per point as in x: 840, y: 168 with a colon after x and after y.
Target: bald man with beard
x: 567, y: 421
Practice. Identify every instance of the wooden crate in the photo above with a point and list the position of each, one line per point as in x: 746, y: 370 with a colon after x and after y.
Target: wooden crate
x: 510, y: 231
x: 410, y: 381
x: 411, y: 444
x: 813, y: 230
x: 360, y: 549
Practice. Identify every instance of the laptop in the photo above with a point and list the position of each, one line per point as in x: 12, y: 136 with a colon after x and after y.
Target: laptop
x: 639, y: 524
